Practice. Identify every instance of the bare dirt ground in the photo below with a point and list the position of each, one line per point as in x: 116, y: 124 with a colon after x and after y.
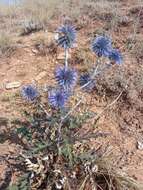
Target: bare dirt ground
x: 124, y: 122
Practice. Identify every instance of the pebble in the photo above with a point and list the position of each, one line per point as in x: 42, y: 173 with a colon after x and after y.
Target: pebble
x: 140, y: 145
x: 12, y: 85
x: 34, y: 51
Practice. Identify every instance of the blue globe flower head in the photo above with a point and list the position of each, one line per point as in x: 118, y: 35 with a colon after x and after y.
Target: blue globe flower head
x: 66, y: 77
x: 66, y: 36
x: 101, y: 46
x: 86, y: 79
x: 58, y: 98
x: 115, y: 56
x: 29, y: 92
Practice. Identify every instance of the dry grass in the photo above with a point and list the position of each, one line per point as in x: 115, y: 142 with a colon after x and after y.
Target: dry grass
x: 43, y: 11
x: 31, y: 26
x: 114, y: 178
x: 7, y: 45
x: 137, y: 49
x: 103, y: 173
x: 134, y: 44
x: 45, y: 46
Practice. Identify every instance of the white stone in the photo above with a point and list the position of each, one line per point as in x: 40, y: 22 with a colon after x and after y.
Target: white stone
x: 11, y: 85
x: 140, y: 145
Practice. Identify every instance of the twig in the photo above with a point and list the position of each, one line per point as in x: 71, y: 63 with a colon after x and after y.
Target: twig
x: 93, y: 184
x: 92, y: 77
x: 108, y: 106
x: 99, y: 187
x: 42, y: 107
x: 96, y: 72
x: 72, y: 110
x: 83, y: 183
x: 67, y: 181
x: 94, y: 135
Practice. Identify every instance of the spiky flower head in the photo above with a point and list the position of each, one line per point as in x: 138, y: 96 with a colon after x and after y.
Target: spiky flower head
x: 86, y: 82
x: 66, y: 77
x: 57, y: 98
x: 66, y: 36
x: 29, y: 92
x: 101, y: 46
x: 115, y: 56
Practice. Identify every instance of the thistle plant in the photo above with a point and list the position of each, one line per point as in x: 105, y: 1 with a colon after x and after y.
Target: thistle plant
x: 101, y: 46
x: 58, y: 98
x: 86, y: 82
x: 115, y: 56
x: 66, y: 77
x: 66, y: 39
x: 29, y: 93
x: 57, y: 130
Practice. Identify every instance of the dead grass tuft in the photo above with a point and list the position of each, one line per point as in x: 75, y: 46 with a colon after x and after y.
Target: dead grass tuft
x: 30, y: 27
x: 7, y: 45
x: 137, y: 50
x: 104, y: 175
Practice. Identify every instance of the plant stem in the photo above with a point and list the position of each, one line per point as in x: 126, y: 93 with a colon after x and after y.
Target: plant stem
x: 59, y: 138
x: 66, y: 58
x: 92, y: 77
x: 60, y: 125
x: 42, y: 107
x: 96, y: 72
x: 108, y: 106
x: 77, y: 104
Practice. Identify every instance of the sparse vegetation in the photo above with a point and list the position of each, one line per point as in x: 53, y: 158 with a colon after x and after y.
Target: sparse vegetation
x: 137, y: 50
x: 30, y: 27
x: 7, y: 45
x: 78, y: 124
x: 44, y: 47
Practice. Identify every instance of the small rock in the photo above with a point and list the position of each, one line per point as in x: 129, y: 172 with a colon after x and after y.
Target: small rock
x: 34, y: 51
x: 140, y: 145
x: 12, y: 85
x: 41, y: 75
x: 56, y: 36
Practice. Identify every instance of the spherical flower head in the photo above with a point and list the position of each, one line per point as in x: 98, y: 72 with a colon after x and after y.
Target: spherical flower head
x: 66, y: 77
x: 115, y: 56
x: 101, y: 46
x: 58, y: 98
x: 66, y: 36
x: 87, y: 82
x: 29, y: 92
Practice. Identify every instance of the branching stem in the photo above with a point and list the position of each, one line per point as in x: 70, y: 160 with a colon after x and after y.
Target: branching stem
x: 108, y: 106
x: 60, y: 125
